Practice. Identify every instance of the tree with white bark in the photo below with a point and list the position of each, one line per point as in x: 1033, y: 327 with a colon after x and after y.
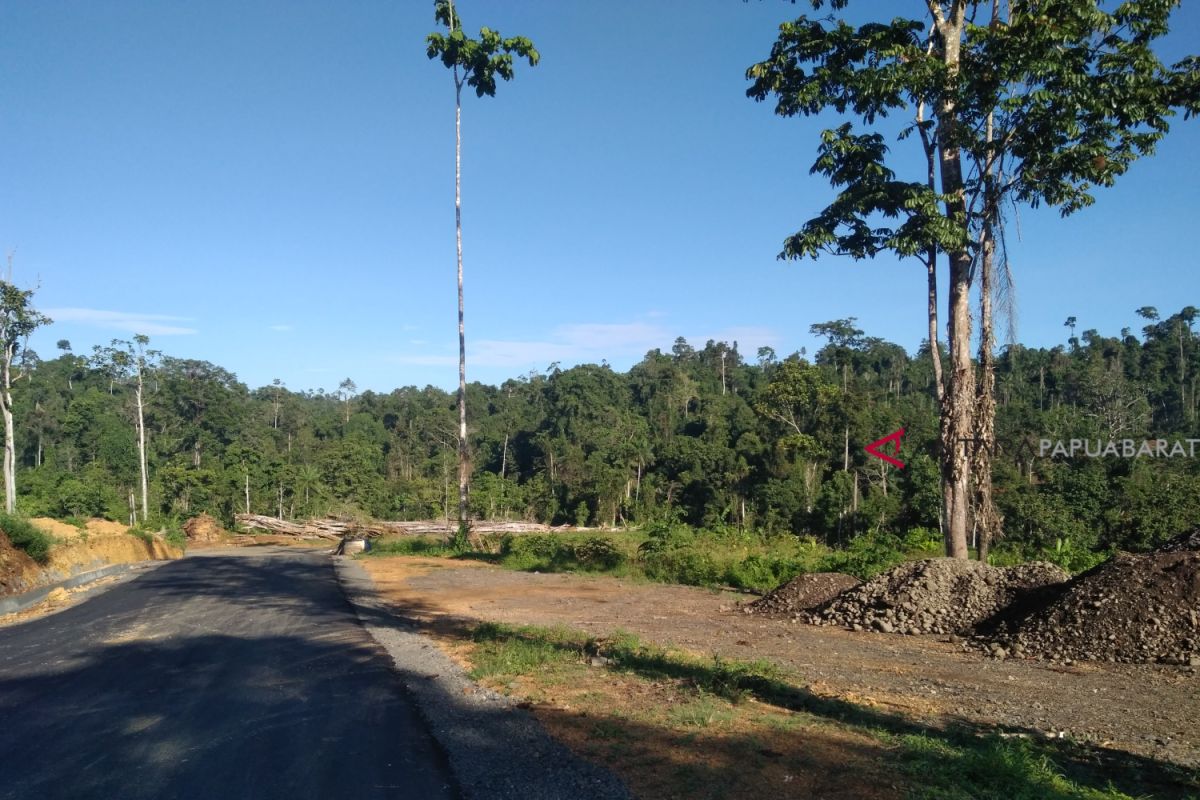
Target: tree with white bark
x: 475, y: 63
x: 130, y: 362
x: 18, y: 319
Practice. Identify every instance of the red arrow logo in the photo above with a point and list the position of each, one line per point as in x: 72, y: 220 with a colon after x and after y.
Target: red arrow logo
x: 873, y: 448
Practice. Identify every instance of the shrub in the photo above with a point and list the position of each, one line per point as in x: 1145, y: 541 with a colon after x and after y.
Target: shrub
x: 664, y: 536
x: 866, y: 556
x: 922, y: 540
x: 598, y: 552
x: 175, y: 536
x: 411, y: 545
x: 682, y: 566
x: 25, y: 536
x: 762, y: 572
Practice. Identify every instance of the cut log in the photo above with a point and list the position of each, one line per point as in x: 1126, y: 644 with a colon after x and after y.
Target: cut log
x: 336, y: 528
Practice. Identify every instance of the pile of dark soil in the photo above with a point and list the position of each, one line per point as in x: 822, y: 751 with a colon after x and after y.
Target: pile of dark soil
x: 1130, y: 609
x: 802, y: 593
x: 204, y: 529
x: 937, y: 595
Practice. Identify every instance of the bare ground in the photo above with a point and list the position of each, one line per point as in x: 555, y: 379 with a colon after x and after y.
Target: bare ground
x: 1149, y: 711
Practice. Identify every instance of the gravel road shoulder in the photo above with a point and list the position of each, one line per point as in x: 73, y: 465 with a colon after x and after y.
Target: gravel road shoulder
x: 496, y: 750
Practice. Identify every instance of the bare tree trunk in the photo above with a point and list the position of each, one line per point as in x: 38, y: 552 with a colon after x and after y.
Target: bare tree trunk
x: 957, y: 411
x: 10, y: 455
x: 141, y: 420
x: 987, y: 519
x: 464, y: 453
x: 246, y: 472
x: 504, y: 458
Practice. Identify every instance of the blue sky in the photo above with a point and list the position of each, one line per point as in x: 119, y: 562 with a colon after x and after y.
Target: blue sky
x: 269, y: 186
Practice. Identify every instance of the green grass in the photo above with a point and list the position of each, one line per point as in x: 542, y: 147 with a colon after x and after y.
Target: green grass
x: 673, y: 553
x: 701, y: 712
x: 25, y: 536
x: 499, y: 655
x: 941, y: 764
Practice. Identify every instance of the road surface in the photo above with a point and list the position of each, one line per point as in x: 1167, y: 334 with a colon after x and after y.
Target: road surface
x: 232, y: 675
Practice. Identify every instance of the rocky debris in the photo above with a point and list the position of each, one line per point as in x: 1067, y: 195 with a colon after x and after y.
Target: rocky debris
x: 937, y: 595
x: 802, y: 593
x: 1130, y: 609
x: 1182, y: 542
x: 204, y: 529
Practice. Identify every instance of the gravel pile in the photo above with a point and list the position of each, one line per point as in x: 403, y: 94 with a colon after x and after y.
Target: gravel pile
x: 1130, y: 609
x: 1184, y: 541
x: 937, y: 595
x: 802, y: 593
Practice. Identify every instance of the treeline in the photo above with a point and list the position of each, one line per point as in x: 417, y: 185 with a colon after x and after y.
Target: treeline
x: 704, y: 436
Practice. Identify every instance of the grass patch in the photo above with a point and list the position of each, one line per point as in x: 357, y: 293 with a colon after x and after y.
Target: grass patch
x: 500, y: 655
x: 765, y: 726
x: 25, y: 536
x: 700, y: 713
x: 992, y: 769
x: 676, y: 554
x: 411, y: 546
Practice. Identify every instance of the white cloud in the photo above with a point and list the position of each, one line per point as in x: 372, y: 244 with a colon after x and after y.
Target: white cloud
x: 148, y: 324
x: 585, y: 342
x: 282, y: 328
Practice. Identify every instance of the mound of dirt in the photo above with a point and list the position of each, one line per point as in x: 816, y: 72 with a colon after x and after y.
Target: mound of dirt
x: 937, y: 595
x: 802, y: 593
x: 106, y: 527
x: 204, y: 529
x: 17, y: 569
x: 1131, y: 609
x: 59, y: 530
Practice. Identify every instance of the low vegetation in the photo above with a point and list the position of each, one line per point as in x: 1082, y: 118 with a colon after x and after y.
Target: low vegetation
x: 665, y: 720
x: 25, y: 536
x: 678, y: 553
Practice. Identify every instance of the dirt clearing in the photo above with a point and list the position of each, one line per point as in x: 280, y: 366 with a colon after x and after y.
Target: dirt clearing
x: 1144, y: 710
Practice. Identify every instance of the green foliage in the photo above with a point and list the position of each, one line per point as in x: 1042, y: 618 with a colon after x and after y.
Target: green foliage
x: 172, y: 531
x: 24, y: 536
x: 713, y: 486
x: 461, y: 542
x: 866, y: 556
x: 502, y: 651
x: 922, y: 540
x: 557, y: 553
x: 412, y: 546
x: 990, y: 768
x: 682, y: 566
x: 480, y: 60
x: 599, y: 553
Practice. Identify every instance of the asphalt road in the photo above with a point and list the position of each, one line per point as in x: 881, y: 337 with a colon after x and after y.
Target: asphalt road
x: 219, y: 676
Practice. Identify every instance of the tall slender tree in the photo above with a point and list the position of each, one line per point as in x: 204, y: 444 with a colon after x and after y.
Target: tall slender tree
x: 475, y: 63
x: 17, y: 320
x: 130, y: 362
x: 1040, y: 103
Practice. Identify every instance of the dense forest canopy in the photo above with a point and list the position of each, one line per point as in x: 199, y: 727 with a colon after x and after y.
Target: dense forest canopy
x: 702, y: 435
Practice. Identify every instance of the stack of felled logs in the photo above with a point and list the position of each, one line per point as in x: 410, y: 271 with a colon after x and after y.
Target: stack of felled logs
x: 336, y: 528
